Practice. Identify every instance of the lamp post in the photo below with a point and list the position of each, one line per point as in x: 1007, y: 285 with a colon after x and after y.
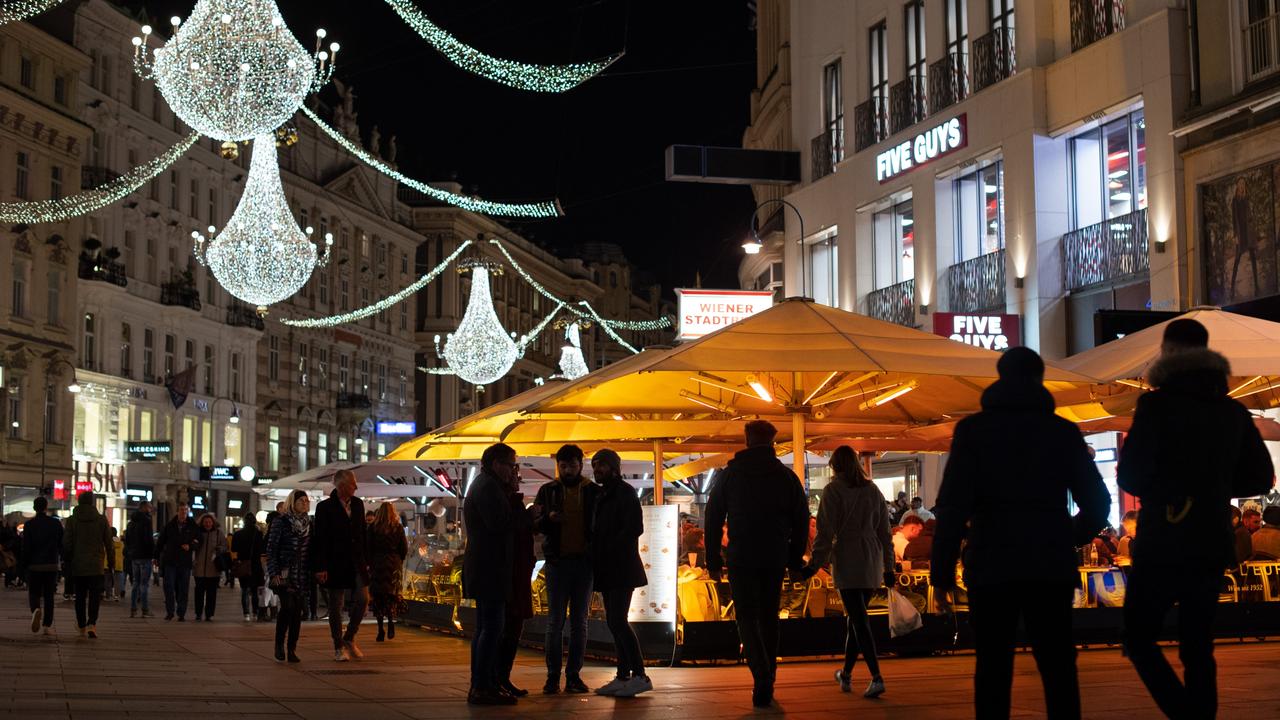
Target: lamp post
x: 753, y: 245
x: 213, y: 416
x: 73, y: 388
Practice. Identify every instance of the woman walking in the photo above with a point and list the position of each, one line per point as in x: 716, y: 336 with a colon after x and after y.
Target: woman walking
x: 287, y: 568
x: 206, y: 565
x: 618, y: 570
x: 387, y: 551
x: 248, y: 545
x: 854, y: 535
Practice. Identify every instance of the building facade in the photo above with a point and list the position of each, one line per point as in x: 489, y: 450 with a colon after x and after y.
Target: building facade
x: 42, y: 148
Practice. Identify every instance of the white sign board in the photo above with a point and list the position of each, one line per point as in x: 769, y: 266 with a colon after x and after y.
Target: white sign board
x: 705, y: 311
x: 659, y: 545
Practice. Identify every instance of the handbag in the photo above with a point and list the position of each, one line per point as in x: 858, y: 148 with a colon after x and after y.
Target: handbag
x: 241, y: 569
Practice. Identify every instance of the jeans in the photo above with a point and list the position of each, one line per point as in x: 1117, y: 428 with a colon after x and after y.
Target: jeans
x: 177, y: 583
x: 141, y: 584
x: 858, y: 636
x: 41, y: 585
x: 249, y: 597
x: 1152, y: 591
x: 1045, y: 609
x: 617, y: 603
x: 484, y: 644
x: 756, y: 594
x: 508, y: 646
x: 207, y: 595
x: 335, y: 598
x: 88, y: 592
x: 289, y: 620
x: 568, y: 585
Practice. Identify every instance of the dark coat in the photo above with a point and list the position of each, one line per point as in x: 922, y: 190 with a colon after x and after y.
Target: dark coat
x: 523, y: 560
x: 249, y: 546
x: 1005, y: 489
x: 551, y: 499
x: 853, y: 535
x: 1191, y: 449
x: 139, y: 537
x: 615, y: 547
x: 41, y: 544
x: 387, y: 552
x: 338, y: 543
x: 487, y: 562
x: 767, y: 511
x: 86, y: 543
x: 287, y: 552
x: 172, y: 538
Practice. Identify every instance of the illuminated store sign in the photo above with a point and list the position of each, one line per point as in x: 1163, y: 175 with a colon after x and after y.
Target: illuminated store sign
x: 993, y: 332
x: 386, y: 427
x: 148, y: 451
x: 924, y: 148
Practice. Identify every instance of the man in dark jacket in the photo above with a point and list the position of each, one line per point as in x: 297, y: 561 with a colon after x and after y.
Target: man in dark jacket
x: 41, y: 550
x: 1191, y: 449
x: 768, y: 516
x: 86, y: 543
x: 177, y: 542
x: 486, y: 570
x: 340, y: 561
x: 565, y: 510
x: 140, y: 548
x: 249, y: 545
x: 1017, y: 459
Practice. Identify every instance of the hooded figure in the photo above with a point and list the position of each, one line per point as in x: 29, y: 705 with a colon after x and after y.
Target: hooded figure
x: 86, y: 545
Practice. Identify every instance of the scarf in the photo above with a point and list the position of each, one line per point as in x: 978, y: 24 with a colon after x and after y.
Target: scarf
x: 301, y: 524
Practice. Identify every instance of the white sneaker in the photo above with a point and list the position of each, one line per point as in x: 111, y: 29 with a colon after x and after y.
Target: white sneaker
x: 636, y: 685
x: 48, y: 631
x: 340, y: 655
x: 37, y: 616
x: 612, y: 687
x: 248, y: 618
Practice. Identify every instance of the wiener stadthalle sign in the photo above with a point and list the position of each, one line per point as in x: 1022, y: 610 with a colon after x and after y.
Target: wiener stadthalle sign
x: 705, y: 311
x: 936, y: 142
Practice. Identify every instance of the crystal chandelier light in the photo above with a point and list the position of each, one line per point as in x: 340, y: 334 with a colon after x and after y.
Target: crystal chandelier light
x: 480, y: 351
x: 572, y: 364
x: 262, y: 256
x: 233, y: 70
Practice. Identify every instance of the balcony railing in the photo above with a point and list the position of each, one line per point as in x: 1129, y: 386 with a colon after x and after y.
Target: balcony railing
x: 948, y: 81
x: 895, y: 304
x: 907, y: 103
x: 93, y: 176
x: 1092, y: 20
x: 993, y: 58
x: 977, y: 285
x: 1106, y: 252
x: 180, y: 294
x: 870, y: 123
x: 1262, y: 48
x: 103, y: 270
x: 825, y: 151
x: 241, y: 315
x: 351, y: 401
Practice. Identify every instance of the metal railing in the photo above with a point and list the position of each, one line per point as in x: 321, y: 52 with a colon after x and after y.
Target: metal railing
x: 180, y: 294
x: 351, y: 401
x: 870, y: 122
x: 993, y: 58
x: 1092, y: 20
x: 1262, y: 48
x: 825, y: 151
x: 241, y: 315
x: 1105, y: 252
x: 977, y: 285
x: 908, y: 103
x: 948, y: 81
x: 94, y: 176
x: 103, y: 270
x: 895, y: 304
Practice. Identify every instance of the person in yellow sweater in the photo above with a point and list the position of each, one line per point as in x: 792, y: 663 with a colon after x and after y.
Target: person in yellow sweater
x: 115, y: 577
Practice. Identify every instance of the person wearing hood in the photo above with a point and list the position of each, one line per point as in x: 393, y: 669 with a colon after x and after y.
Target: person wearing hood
x: 288, y: 569
x: 207, y: 563
x: 86, y: 545
x: 1190, y: 449
x: 140, y: 547
x: 767, y: 513
x: 1016, y: 458
x: 174, y: 547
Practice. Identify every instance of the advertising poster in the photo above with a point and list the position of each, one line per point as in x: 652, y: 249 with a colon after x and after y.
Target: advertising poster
x: 656, y: 602
x: 1240, y: 236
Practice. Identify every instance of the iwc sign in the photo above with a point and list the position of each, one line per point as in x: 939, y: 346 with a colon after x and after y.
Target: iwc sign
x: 924, y: 148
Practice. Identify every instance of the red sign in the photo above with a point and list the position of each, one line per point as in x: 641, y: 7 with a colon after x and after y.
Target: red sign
x: 59, y: 489
x: 83, y: 486
x: 993, y: 332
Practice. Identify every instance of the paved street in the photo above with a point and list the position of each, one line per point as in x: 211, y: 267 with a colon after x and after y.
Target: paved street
x: 153, y: 668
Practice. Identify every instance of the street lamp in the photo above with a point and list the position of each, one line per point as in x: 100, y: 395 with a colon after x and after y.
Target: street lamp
x: 753, y: 245
x: 74, y: 388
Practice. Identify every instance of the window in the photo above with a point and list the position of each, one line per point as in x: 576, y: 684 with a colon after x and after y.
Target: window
x: 210, y: 288
x: 613, y: 279
x: 324, y: 226
x: 188, y: 439
x: 156, y: 103
x: 823, y: 269
x: 210, y: 387
x: 302, y: 364
x: 404, y: 263
x: 342, y: 447
x: 957, y: 23
x: 1260, y: 26
x: 211, y: 212
x: 273, y: 449
x: 403, y: 388
x: 344, y: 295
x: 833, y: 108
x: 15, y: 412
x: 382, y: 382
x: 235, y: 377
x: 364, y: 376
x: 344, y: 372
x: 979, y: 203
x: 146, y: 425
x: 126, y: 350
x: 173, y: 189
x: 273, y: 358
x: 60, y: 90
x: 170, y: 349
x: 190, y: 354
x: 55, y: 299
x: 1109, y: 170
x: 19, y: 308
x: 22, y: 177
x: 893, y: 249
x: 104, y: 70
x: 322, y: 367
x: 322, y: 279
x: 878, y: 68
x: 193, y: 207
x: 302, y: 450
x: 55, y: 183
x: 89, y: 343
x: 148, y: 355
x: 206, y: 442
x: 1002, y: 15
x: 915, y: 45
x: 135, y: 91
x: 50, y: 415
x: 404, y: 316
x: 27, y: 75
x: 231, y: 446
x: 322, y: 449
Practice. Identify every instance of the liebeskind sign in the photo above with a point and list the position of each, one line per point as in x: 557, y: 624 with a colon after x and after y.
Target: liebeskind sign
x: 925, y: 147
x: 993, y: 332
x: 705, y: 311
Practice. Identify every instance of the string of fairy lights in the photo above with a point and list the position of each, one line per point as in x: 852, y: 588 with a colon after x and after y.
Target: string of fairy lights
x: 519, y: 75
x: 17, y: 10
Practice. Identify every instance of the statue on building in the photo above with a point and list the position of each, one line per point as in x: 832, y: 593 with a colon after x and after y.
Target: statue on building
x: 375, y: 142
x: 345, y: 118
x: 392, y: 151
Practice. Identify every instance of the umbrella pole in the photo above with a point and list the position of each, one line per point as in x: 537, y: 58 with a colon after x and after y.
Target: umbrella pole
x: 797, y: 445
x: 657, y: 473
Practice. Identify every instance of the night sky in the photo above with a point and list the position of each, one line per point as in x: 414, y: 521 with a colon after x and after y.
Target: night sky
x: 686, y: 78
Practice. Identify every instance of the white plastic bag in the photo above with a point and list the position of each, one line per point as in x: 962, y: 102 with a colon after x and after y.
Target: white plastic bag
x: 265, y: 596
x: 903, y: 616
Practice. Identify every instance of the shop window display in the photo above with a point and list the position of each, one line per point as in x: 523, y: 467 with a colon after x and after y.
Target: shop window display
x: 894, y: 247
x: 979, y: 203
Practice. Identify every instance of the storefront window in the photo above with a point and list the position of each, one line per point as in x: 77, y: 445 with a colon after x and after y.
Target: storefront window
x: 145, y: 431
x: 342, y: 447
x: 893, y: 252
x: 231, y: 441
x: 979, y: 202
x: 1109, y: 170
x: 273, y: 449
x: 823, y: 269
x: 19, y: 499
x: 89, y: 428
x: 188, y: 439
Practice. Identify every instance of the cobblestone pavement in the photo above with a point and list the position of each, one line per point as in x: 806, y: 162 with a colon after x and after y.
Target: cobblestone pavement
x: 153, y: 668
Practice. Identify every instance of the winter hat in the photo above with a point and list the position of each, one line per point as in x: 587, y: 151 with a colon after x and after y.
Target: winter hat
x: 610, y: 459
x: 1185, y: 334
x: 1021, y: 364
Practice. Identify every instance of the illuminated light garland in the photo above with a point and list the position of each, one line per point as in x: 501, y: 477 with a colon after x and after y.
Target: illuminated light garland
x: 479, y: 351
x: 572, y: 364
x: 607, y: 330
x: 17, y: 10
x: 46, y: 211
x: 262, y: 256
x: 544, y: 209
x: 233, y: 70
x: 383, y: 304
x: 519, y: 75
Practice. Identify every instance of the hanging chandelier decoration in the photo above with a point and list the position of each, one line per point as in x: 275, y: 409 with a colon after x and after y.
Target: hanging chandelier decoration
x: 480, y: 351
x: 262, y: 256
x: 17, y: 10
x: 572, y: 364
x: 233, y: 71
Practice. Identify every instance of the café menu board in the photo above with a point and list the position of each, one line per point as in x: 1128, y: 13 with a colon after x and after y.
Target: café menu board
x: 659, y: 545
